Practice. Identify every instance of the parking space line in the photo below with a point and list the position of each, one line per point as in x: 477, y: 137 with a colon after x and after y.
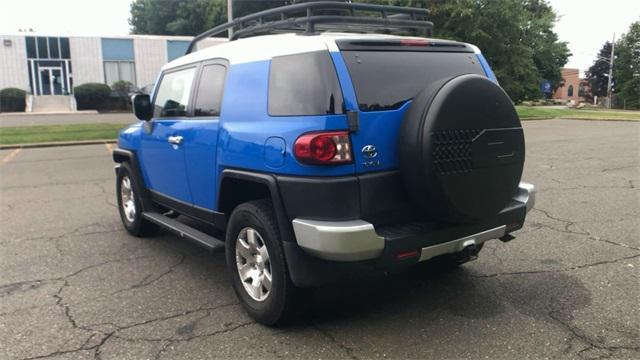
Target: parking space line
x: 10, y: 156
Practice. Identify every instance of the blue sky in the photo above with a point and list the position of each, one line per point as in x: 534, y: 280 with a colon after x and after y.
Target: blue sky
x: 585, y: 24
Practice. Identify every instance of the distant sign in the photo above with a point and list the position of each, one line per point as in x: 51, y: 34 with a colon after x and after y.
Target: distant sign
x: 545, y: 87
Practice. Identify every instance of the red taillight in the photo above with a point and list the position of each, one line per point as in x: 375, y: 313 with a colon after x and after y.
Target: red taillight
x: 413, y: 42
x: 325, y: 148
x: 407, y: 255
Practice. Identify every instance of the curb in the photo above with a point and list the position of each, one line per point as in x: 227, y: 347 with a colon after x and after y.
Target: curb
x: 591, y: 119
x: 56, y: 144
x: 578, y: 118
x: 27, y: 114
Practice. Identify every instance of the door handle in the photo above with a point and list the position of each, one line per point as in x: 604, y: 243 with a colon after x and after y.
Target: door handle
x: 175, y: 140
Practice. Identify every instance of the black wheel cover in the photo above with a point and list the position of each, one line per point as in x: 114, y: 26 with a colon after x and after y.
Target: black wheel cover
x: 461, y: 149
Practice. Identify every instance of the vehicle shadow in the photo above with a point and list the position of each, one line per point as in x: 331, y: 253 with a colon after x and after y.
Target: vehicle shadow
x: 428, y: 290
x: 422, y: 288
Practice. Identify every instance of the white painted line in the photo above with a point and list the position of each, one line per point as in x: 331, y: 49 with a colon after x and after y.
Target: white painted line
x: 10, y: 156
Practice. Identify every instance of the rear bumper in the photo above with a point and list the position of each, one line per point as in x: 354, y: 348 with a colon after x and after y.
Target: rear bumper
x: 359, y: 240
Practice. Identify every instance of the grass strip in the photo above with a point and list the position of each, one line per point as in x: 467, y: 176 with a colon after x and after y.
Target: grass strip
x: 539, y: 112
x: 54, y: 133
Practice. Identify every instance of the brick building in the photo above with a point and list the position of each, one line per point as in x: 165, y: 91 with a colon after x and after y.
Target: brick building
x: 572, y: 87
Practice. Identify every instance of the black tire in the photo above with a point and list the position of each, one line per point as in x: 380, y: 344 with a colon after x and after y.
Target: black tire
x: 462, y: 149
x: 136, y: 225
x: 278, y: 306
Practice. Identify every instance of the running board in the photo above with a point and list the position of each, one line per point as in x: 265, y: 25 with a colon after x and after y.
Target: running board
x: 185, y: 231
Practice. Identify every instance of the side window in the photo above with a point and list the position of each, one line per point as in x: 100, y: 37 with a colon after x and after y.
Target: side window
x: 173, y: 94
x: 304, y: 84
x: 209, y: 95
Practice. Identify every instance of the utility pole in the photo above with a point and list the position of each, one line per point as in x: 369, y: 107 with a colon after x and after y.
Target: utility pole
x: 230, y: 16
x: 611, y: 59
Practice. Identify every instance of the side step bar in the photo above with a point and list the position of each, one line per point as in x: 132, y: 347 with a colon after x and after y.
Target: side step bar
x: 185, y: 231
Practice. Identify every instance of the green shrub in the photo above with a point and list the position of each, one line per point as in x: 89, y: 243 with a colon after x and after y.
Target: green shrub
x: 121, y: 90
x: 12, y: 99
x: 92, y: 96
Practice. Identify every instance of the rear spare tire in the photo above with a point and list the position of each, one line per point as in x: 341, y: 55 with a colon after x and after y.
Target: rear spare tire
x: 461, y: 149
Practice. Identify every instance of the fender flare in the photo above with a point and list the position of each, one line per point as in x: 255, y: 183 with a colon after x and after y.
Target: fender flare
x: 122, y: 155
x: 270, y: 182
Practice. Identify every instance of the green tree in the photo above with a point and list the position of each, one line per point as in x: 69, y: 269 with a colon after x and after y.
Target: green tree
x: 627, y: 67
x: 598, y: 73
x: 175, y: 17
x: 516, y: 36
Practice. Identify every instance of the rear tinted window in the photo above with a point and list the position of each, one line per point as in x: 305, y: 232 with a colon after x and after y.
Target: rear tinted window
x: 304, y: 84
x: 210, y: 90
x: 384, y: 80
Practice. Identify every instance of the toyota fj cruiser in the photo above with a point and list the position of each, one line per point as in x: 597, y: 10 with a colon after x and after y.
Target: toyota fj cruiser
x: 315, y: 153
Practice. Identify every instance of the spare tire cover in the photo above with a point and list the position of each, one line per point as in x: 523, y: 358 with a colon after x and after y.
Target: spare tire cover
x: 461, y: 149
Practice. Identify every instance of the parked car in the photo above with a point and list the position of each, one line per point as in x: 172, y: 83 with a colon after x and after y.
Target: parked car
x: 317, y: 155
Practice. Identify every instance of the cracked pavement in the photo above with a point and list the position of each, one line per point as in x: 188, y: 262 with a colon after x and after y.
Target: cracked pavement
x: 75, y: 285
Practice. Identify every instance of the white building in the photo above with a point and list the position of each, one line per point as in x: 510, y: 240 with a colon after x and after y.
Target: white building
x: 52, y: 65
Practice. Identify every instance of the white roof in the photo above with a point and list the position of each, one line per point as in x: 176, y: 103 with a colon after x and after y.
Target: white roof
x: 268, y: 46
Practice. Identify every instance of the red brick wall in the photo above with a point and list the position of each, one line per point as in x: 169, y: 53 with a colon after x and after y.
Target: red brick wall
x: 571, y: 78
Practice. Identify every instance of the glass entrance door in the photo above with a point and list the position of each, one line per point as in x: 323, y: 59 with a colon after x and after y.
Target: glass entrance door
x: 51, y: 81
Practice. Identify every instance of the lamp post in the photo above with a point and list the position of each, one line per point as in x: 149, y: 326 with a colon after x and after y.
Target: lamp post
x: 230, y: 16
x: 611, y: 60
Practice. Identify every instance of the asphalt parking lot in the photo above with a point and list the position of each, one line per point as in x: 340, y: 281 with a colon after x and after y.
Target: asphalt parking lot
x: 75, y: 285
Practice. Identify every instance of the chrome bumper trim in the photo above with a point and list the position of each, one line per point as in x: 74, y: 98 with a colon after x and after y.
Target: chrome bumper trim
x: 356, y: 240
x: 455, y: 246
x: 527, y: 195
x: 352, y: 240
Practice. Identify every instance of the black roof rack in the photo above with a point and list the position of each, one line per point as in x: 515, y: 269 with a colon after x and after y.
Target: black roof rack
x: 313, y: 17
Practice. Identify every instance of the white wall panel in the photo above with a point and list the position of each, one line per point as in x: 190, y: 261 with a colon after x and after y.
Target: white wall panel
x: 13, y: 63
x: 150, y: 56
x: 86, y: 60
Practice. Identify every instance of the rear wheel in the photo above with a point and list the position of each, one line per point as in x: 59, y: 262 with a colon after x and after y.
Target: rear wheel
x: 256, y: 263
x: 130, y: 205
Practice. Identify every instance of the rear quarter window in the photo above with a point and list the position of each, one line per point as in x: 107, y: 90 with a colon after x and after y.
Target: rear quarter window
x: 304, y: 84
x: 384, y: 80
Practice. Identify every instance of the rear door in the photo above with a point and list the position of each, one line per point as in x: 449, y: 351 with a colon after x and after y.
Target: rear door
x: 201, y: 134
x: 162, y: 141
x: 386, y: 76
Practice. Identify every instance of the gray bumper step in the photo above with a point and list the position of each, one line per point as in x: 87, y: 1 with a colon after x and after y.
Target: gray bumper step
x: 185, y: 231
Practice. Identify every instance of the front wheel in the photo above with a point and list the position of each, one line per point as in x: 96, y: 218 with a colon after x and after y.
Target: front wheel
x: 130, y: 204
x: 256, y: 263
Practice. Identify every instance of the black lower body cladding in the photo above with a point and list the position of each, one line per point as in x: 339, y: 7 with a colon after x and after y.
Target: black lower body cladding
x: 378, y: 198
x: 462, y: 149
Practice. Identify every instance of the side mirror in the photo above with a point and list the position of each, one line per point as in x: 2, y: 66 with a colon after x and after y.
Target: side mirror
x: 142, y: 107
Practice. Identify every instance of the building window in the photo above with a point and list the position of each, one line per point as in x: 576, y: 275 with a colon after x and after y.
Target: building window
x: 582, y: 91
x: 570, y: 91
x: 43, y: 51
x: 49, y: 65
x: 176, y: 48
x: 64, y: 48
x: 32, y: 53
x: 119, y: 64
x: 115, y: 71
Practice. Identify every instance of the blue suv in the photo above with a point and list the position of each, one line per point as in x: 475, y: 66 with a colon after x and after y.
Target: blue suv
x: 311, y: 155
